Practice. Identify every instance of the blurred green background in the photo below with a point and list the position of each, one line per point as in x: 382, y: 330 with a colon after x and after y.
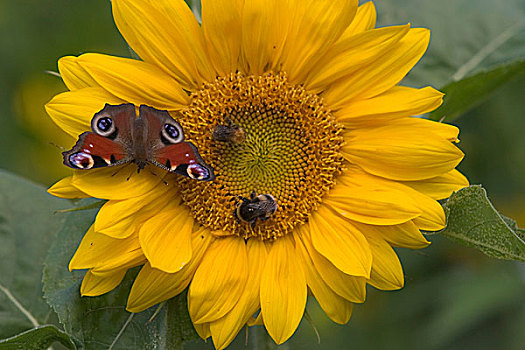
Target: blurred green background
x: 454, y: 298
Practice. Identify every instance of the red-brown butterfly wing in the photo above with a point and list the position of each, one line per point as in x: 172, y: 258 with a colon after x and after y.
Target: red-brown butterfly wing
x: 110, y: 142
x: 170, y: 151
x: 184, y: 159
x: 95, y: 151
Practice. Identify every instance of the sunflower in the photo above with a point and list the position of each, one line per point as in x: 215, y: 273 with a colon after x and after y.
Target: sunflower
x: 328, y: 135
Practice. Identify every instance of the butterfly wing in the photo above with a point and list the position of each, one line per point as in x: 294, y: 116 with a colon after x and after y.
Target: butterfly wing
x: 170, y: 151
x: 110, y: 142
x: 184, y: 159
x: 95, y: 151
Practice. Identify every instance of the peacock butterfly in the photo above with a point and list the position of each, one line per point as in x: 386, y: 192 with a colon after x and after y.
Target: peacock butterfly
x: 120, y: 137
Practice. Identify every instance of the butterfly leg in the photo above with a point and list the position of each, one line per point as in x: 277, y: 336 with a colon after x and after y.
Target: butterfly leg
x: 161, y: 179
x: 116, y: 172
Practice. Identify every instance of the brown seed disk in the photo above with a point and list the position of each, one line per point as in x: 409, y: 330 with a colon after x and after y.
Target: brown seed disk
x: 290, y: 150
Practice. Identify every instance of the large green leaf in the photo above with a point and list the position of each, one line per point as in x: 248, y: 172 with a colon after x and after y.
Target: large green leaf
x: 179, y: 328
x: 469, y: 92
x: 28, y: 225
x: 37, y: 338
x: 102, y: 322
x: 473, y: 222
x: 476, y: 47
x: 468, y: 36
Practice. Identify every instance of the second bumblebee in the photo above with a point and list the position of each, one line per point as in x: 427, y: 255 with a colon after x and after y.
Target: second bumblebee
x: 260, y: 207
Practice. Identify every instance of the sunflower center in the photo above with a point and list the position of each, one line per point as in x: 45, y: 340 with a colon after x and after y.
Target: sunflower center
x: 275, y: 151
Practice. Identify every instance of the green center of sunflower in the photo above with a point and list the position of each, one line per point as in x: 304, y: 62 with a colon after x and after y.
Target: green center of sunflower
x: 280, y: 141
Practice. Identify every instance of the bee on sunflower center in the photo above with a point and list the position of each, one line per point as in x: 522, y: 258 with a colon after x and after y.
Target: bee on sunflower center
x: 260, y: 207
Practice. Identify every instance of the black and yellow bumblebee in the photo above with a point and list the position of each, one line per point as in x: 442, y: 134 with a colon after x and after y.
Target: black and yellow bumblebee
x: 260, y: 207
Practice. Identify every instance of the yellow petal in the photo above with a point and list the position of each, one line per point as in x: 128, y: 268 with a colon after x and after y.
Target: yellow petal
x: 221, y: 23
x: 99, y: 250
x: 340, y: 242
x: 203, y: 330
x: 134, y: 258
x: 365, y: 19
x: 405, y: 235
x: 264, y: 25
x: 93, y: 285
x: 419, y: 125
x: 431, y: 217
x: 117, y: 218
x: 442, y: 186
x: 72, y: 111
x: 65, y: 189
x: 381, y: 74
x: 134, y: 81
x: 166, y: 238
x: 120, y: 182
x: 219, y: 280
x: 402, y: 151
x: 226, y: 328
x: 256, y: 321
x: 387, y: 273
x: 351, y: 288
x: 395, y: 103
x: 283, y: 290
x: 152, y: 286
x: 352, y: 54
x: 336, y: 307
x: 165, y: 33
x: 314, y: 27
x: 74, y: 76
x: 361, y: 198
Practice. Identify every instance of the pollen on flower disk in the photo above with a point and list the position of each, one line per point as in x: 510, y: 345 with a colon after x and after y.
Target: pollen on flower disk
x: 291, y: 151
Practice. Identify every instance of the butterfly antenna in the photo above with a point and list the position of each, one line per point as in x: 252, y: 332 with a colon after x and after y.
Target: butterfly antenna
x: 57, y: 146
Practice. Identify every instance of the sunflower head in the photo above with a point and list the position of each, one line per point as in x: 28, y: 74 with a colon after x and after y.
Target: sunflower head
x: 290, y: 152
x: 320, y: 167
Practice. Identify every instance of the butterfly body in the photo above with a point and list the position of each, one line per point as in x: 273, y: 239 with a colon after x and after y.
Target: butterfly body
x: 120, y: 137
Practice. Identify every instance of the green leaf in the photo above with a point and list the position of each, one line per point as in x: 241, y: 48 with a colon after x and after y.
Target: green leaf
x: 28, y: 225
x: 103, y: 321
x: 179, y: 328
x: 473, y: 222
x: 95, y: 205
x: 37, y: 338
x: 465, y: 94
x: 476, y: 47
x: 468, y: 36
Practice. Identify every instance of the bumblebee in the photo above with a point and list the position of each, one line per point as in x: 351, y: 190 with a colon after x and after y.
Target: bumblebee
x: 229, y: 133
x: 256, y: 207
